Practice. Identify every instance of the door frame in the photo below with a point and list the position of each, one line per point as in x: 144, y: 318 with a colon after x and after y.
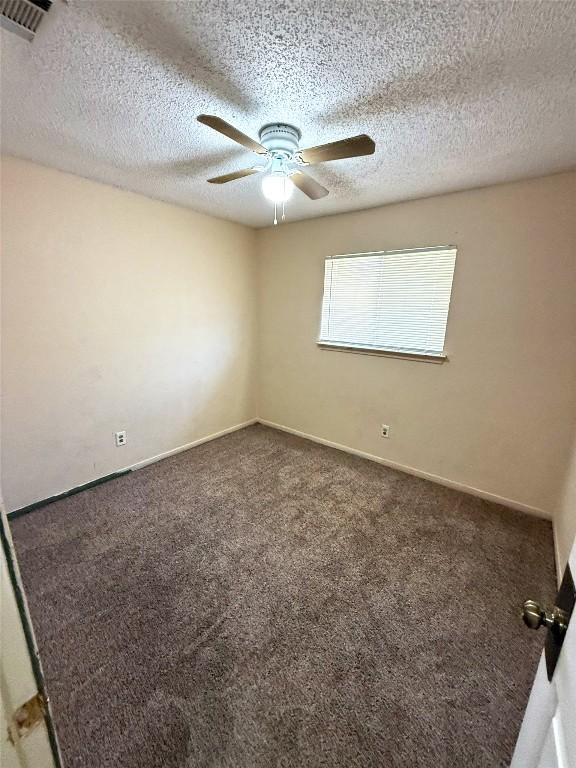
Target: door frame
x: 28, y: 631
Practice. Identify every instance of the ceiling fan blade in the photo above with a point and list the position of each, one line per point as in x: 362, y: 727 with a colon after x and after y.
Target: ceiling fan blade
x: 217, y: 124
x: 355, y: 146
x: 308, y: 185
x: 234, y: 175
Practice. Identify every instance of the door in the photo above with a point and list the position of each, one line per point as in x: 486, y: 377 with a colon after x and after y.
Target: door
x: 548, y: 735
x: 27, y: 736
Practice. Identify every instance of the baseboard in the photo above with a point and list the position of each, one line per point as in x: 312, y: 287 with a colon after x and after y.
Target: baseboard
x: 193, y: 444
x: 517, y: 505
x: 131, y: 468
x: 64, y: 494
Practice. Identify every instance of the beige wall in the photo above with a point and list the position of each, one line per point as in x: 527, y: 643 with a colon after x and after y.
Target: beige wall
x: 565, y: 518
x: 119, y: 312
x: 499, y: 415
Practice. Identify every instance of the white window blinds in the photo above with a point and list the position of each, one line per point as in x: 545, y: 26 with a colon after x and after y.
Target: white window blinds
x: 393, y: 301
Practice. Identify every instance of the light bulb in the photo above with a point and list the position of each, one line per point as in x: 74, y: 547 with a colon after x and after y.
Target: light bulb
x: 277, y: 187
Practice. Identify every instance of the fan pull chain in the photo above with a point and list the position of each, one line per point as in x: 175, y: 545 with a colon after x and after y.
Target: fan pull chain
x: 283, y: 211
x: 275, y: 216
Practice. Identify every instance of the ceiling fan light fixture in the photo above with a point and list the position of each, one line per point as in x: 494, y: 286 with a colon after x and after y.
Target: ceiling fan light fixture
x: 280, y: 145
x: 277, y: 187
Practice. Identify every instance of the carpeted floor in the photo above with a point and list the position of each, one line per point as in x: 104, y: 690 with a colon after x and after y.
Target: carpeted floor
x: 261, y: 601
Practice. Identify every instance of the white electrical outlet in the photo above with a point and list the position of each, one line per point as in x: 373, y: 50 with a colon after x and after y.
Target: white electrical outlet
x: 385, y: 430
x: 120, y: 438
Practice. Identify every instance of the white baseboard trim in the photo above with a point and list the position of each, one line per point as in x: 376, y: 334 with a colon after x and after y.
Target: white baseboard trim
x: 129, y: 468
x: 187, y: 446
x: 517, y: 505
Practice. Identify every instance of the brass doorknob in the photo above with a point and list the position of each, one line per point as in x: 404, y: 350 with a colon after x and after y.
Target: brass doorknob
x: 535, y: 616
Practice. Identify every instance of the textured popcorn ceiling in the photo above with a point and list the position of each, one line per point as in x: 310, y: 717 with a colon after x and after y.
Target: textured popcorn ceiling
x: 455, y: 94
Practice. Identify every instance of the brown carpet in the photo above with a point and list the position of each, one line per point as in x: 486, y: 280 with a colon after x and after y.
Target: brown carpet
x: 264, y: 601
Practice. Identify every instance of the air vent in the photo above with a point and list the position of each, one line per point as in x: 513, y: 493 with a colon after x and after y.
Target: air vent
x: 23, y: 17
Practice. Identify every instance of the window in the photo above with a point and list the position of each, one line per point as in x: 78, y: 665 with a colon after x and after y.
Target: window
x: 391, y: 301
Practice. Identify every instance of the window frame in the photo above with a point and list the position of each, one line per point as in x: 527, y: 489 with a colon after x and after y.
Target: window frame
x: 425, y: 357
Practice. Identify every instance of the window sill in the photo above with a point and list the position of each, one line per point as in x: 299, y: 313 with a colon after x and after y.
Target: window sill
x: 438, y: 359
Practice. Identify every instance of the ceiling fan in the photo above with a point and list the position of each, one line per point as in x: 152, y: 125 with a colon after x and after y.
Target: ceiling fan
x: 283, y: 160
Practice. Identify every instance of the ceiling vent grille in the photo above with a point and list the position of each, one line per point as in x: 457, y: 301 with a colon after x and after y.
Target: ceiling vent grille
x: 23, y: 17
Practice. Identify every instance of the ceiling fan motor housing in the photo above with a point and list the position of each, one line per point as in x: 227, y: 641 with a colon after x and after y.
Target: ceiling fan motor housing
x: 280, y: 139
